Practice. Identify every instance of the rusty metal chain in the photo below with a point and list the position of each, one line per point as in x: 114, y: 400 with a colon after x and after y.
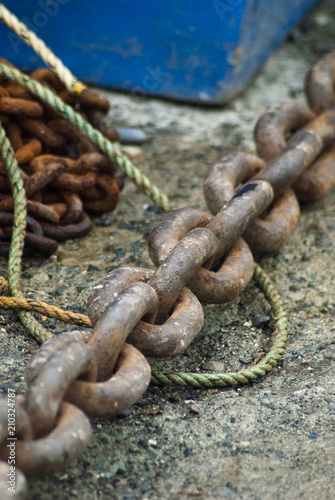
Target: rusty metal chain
x: 64, y: 175
x: 198, y: 256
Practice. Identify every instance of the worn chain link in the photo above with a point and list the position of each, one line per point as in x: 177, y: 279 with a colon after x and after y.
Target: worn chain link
x: 139, y: 311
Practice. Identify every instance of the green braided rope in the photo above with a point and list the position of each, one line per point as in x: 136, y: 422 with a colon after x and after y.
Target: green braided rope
x: 244, y: 376
x: 108, y: 148
x: 17, y: 243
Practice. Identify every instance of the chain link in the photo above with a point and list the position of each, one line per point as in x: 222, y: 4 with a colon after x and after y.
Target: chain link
x: 262, y: 235
x: 196, y: 255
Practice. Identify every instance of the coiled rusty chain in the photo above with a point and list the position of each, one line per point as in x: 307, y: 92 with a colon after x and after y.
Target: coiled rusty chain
x: 64, y: 175
x: 198, y: 256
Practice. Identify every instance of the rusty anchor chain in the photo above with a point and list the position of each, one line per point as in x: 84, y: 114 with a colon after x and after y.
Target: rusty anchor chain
x: 135, y: 311
x: 65, y: 177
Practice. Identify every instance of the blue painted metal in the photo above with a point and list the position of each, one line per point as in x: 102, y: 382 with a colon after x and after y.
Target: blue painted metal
x: 193, y: 50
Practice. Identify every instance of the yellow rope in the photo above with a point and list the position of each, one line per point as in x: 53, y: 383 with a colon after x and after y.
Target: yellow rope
x: 40, y: 307
x: 33, y: 305
x: 72, y: 84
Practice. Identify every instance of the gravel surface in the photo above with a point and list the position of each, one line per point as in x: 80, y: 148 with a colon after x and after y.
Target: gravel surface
x: 271, y: 440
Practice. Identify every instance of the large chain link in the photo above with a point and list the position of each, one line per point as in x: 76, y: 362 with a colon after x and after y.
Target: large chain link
x: 198, y: 256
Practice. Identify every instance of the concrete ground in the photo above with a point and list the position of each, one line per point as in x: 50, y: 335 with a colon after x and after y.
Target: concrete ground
x: 270, y: 440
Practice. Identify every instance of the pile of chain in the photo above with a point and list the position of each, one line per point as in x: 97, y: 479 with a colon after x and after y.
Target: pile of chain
x: 64, y: 175
x: 137, y: 312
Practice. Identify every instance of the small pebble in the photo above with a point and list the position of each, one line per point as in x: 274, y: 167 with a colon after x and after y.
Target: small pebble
x: 61, y: 289
x: 246, y: 359
x: 260, y: 320
x: 194, y: 408
x: 213, y: 366
x: 132, y: 136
